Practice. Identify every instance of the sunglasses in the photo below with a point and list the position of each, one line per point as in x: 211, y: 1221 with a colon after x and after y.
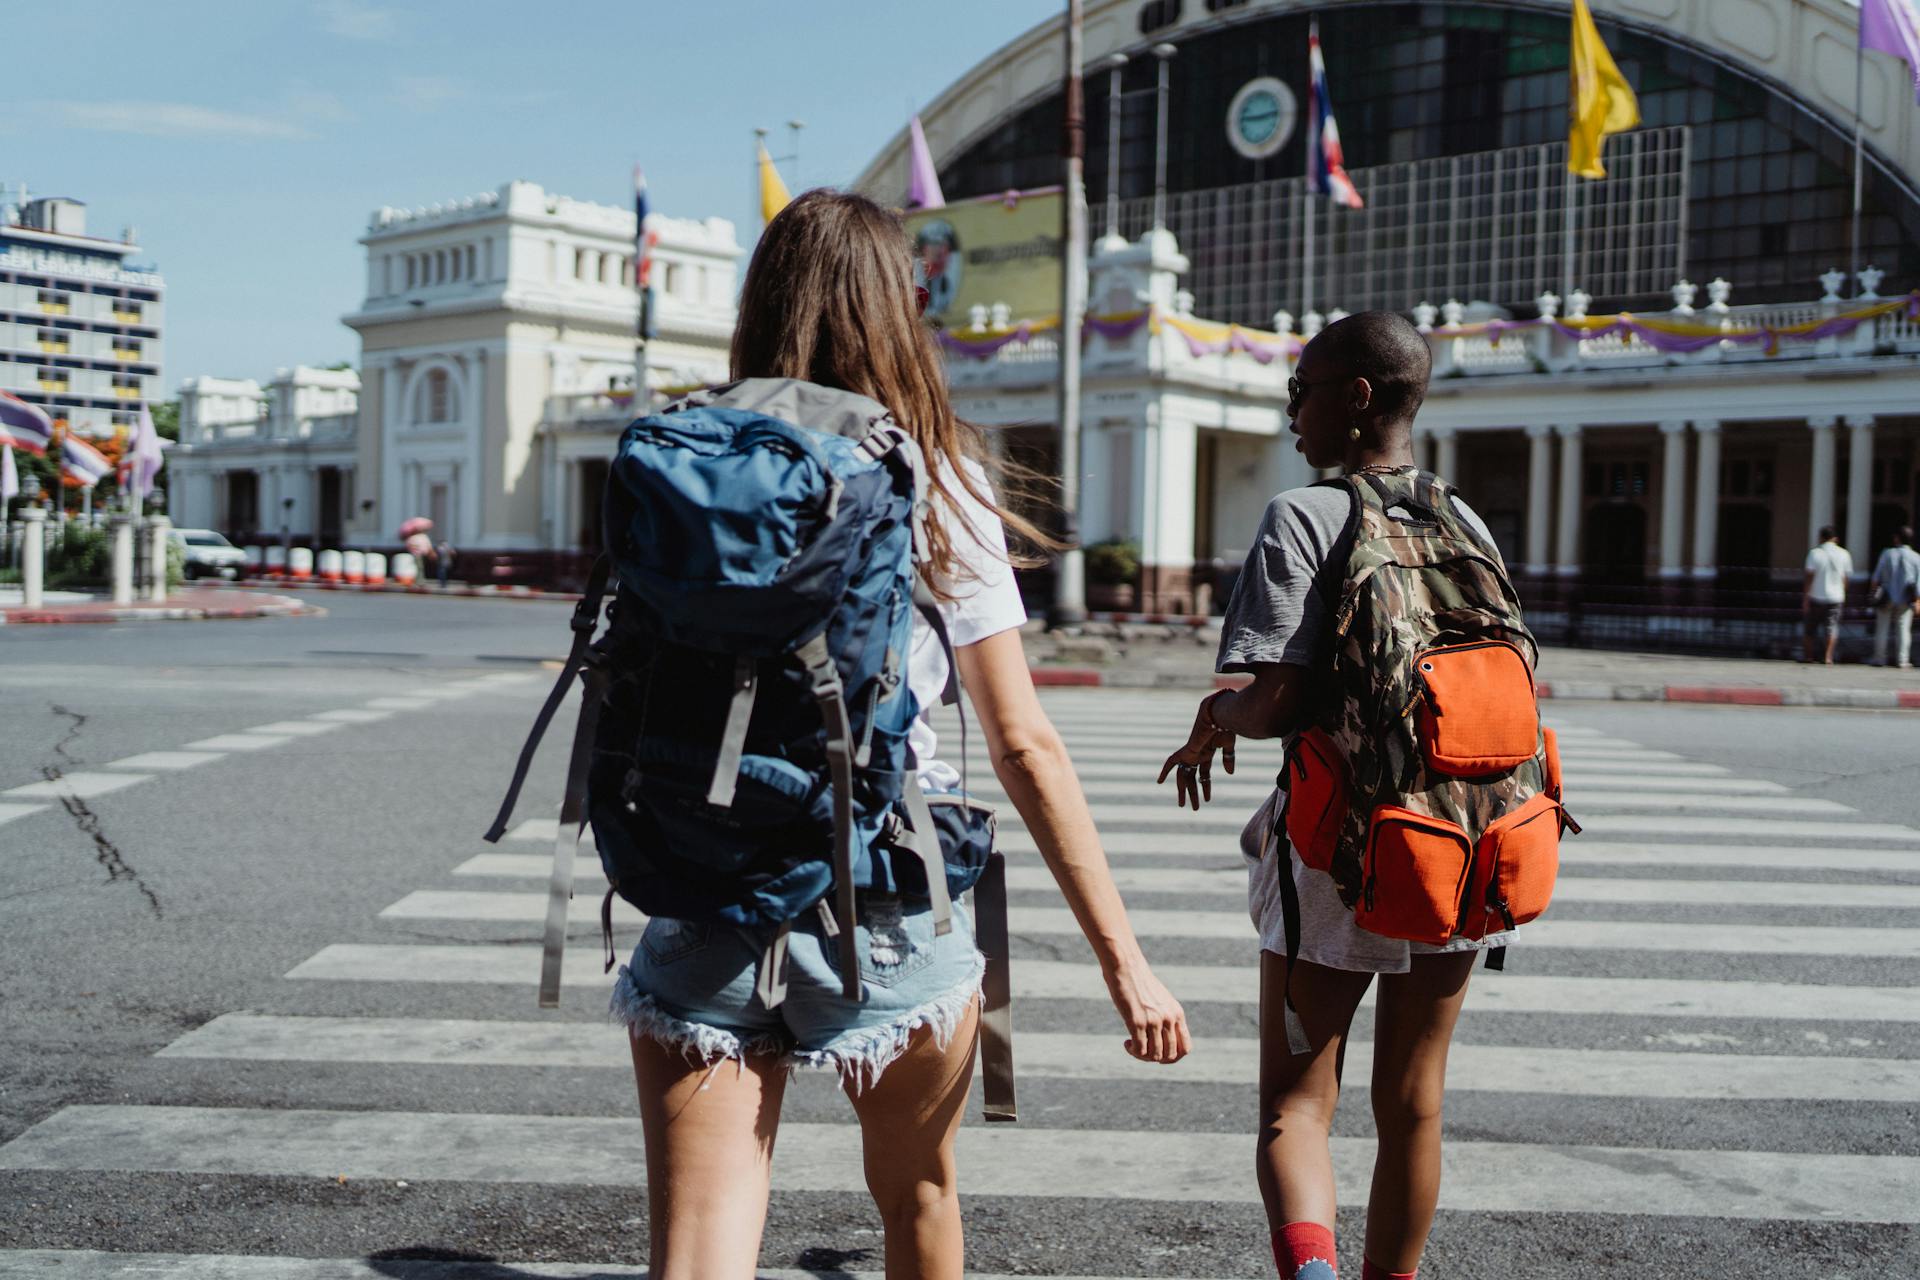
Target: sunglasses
x: 1297, y: 390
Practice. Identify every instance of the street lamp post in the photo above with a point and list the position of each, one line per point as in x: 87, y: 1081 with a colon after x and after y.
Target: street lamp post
x: 1069, y: 583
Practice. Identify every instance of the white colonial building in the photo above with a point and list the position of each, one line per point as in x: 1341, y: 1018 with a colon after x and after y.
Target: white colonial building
x: 269, y: 463
x: 497, y: 362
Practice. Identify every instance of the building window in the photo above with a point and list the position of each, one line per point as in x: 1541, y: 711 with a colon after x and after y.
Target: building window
x: 54, y: 341
x: 1217, y: 6
x: 469, y: 271
x: 412, y: 272
x: 55, y: 303
x: 126, y: 386
x: 436, y: 397
x: 671, y: 281
x: 125, y: 348
x: 127, y: 312
x: 1157, y: 15
x: 579, y: 264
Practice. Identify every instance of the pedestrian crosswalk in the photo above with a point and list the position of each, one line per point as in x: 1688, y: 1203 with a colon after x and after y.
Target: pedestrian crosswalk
x: 1718, y: 1023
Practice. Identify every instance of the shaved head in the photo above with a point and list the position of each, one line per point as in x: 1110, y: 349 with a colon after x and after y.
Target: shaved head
x: 1384, y: 348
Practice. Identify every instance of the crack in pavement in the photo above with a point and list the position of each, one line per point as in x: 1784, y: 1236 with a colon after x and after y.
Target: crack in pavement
x: 105, y: 852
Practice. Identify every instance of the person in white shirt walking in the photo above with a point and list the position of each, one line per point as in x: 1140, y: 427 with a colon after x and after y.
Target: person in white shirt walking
x: 1824, y: 594
x: 1896, y: 599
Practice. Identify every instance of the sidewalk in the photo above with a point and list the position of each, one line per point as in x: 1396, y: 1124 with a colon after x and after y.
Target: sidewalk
x: 462, y: 589
x: 1134, y: 656
x: 186, y: 604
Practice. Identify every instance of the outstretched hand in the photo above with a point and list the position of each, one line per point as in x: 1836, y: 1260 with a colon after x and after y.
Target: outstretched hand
x: 1192, y: 764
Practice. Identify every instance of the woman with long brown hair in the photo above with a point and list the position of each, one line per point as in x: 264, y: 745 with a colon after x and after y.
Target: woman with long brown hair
x: 830, y: 299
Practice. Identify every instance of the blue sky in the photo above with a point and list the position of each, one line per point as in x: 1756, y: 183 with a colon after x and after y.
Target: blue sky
x: 247, y: 140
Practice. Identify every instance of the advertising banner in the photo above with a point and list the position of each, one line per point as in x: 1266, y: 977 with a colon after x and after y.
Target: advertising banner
x: 989, y: 250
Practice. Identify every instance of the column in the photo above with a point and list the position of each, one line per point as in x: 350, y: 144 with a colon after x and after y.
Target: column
x: 33, y: 556
x: 1860, y: 492
x: 1706, y: 501
x: 1673, y: 498
x: 1166, y: 543
x: 1820, y: 485
x: 1446, y: 462
x: 157, y: 529
x: 122, y: 535
x: 1539, y: 496
x: 1567, y: 546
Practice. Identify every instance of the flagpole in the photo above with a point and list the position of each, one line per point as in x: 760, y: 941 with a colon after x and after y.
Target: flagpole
x: 1306, y: 251
x: 1567, y: 233
x: 1859, y: 150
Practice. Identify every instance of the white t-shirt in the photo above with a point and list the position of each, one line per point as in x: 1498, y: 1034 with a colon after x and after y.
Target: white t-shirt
x: 1830, y: 564
x: 987, y: 602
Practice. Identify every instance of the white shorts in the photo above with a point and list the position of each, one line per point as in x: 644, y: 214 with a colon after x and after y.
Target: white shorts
x: 1328, y: 934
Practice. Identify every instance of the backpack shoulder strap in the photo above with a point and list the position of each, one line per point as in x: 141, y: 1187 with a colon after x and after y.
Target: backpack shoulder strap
x: 1331, y: 579
x: 586, y: 614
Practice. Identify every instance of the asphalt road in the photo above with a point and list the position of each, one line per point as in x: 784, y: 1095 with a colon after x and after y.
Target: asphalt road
x: 1708, y: 1057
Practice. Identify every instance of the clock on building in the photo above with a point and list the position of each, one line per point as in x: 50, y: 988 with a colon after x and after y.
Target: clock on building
x: 1261, y: 117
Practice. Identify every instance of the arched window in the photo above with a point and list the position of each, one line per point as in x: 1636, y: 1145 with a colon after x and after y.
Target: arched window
x: 436, y: 398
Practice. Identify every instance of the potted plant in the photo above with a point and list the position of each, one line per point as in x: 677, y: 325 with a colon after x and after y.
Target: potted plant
x: 1113, y: 575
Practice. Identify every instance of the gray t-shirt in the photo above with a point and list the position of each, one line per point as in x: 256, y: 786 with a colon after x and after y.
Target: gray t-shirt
x: 1284, y: 598
x: 1280, y: 612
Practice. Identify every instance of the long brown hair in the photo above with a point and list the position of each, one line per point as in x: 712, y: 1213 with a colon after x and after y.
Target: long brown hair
x: 829, y: 298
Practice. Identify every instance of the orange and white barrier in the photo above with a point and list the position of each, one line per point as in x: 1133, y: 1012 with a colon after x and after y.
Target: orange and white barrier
x: 376, y: 568
x: 353, y: 565
x: 329, y: 566
x: 276, y: 562
x: 406, y: 570
x: 300, y: 563
x: 253, y: 562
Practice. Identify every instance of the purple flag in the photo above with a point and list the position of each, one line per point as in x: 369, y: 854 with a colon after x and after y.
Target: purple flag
x: 1893, y: 26
x: 923, y: 184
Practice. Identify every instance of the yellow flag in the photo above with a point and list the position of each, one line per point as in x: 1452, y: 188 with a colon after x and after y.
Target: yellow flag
x: 1601, y: 100
x: 773, y: 192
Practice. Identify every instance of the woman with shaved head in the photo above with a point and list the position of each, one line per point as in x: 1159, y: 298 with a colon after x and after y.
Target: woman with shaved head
x: 1351, y: 401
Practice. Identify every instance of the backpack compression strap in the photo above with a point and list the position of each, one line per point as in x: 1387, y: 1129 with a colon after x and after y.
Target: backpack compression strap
x: 831, y: 694
x: 924, y: 842
x: 585, y: 614
x: 573, y: 823
x: 733, y: 739
x: 996, y: 990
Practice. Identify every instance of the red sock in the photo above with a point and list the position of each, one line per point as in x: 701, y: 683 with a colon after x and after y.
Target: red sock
x: 1368, y: 1271
x: 1304, y: 1251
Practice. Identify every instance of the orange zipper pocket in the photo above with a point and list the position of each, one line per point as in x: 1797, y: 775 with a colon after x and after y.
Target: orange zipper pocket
x: 1415, y: 872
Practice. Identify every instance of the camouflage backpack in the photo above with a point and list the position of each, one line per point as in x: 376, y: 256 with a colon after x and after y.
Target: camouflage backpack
x: 1424, y: 782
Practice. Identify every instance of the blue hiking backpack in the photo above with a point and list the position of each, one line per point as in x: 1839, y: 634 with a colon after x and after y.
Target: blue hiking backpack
x: 742, y: 749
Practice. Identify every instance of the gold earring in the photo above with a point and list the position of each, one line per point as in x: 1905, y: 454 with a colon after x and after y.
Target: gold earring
x: 1353, y: 433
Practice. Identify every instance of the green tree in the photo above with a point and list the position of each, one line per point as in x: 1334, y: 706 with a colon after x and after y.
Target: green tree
x: 166, y: 419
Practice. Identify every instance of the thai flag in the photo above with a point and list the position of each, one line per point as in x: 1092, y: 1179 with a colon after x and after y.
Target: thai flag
x: 25, y: 426
x: 643, y: 241
x: 82, y: 461
x: 1326, y: 163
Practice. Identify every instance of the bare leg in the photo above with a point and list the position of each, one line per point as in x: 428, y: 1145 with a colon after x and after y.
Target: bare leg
x: 1413, y: 1027
x: 1298, y: 1093
x: 710, y: 1132
x: 908, y: 1119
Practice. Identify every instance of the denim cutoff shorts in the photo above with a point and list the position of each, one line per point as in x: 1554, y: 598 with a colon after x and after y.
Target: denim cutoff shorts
x: 690, y: 987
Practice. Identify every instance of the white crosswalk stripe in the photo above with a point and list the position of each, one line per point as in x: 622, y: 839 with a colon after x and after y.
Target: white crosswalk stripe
x: 1133, y: 1164
x: 1714, y: 859
x: 1486, y: 1068
x: 1233, y: 881
x: 1793, y: 940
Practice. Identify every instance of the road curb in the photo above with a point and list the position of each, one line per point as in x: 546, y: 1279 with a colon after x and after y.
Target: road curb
x: 1559, y: 691
x: 465, y: 592
x: 272, y: 607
